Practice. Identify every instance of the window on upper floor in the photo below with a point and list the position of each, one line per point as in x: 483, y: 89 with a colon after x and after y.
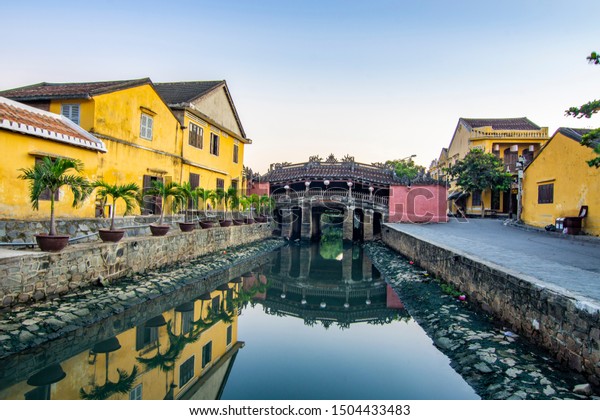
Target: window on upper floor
x: 71, y: 111
x: 220, y: 184
x: 195, y: 136
x: 146, y: 123
x: 236, y: 153
x: 546, y: 194
x: 214, y: 144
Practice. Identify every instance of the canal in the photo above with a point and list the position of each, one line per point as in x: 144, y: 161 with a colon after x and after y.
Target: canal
x: 315, y: 321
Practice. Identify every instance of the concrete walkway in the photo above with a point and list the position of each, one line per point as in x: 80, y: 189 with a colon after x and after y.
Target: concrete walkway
x: 569, y: 264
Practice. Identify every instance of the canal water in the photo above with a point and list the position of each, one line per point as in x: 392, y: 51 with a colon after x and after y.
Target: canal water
x: 304, y: 322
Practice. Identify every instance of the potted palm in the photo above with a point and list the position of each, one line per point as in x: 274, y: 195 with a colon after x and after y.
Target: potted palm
x: 264, y: 205
x: 128, y: 193
x: 254, y: 201
x: 170, y: 189
x: 244, y: 203
x: 206, y: 195
x: 48, y: 176
x: 189, y: 198
x: 231, y: 202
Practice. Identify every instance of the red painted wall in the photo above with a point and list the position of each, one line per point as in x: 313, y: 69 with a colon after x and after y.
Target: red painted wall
x: 260, y: 188
x: 418, y: 204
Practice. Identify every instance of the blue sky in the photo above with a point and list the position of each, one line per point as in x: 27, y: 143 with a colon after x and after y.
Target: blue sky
x: 375, y: 79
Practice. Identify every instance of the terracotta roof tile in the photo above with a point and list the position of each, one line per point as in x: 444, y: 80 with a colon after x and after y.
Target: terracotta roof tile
x: 21, y: 118
x: 46, y: 90
x: 332, y: 171
x: 501, y: 123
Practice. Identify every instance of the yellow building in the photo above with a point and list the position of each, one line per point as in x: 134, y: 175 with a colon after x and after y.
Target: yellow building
x: 213, y: 150
x: 27, y: 135
x: 508, y: 139
x: 559, y: 182
x: 144, y: 138
x: 186, y: 352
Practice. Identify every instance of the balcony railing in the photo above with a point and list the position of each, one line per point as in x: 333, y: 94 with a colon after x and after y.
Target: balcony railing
x: 516, y: 134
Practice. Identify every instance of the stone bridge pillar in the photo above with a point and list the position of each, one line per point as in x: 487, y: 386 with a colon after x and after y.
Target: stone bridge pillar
x: 367, y: 267
x: 348, y: 223
x: 368, y: 225
x: 286, y: 222
x: 306, y: 228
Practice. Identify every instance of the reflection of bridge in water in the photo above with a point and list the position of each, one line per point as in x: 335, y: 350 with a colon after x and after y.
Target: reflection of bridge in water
x: 345, y: 290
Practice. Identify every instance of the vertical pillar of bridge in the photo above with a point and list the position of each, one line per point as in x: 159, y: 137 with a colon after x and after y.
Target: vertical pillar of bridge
x: 316, y: 225
x: 347, y: 263
x: 286, y: 222
x: 306, y: 228
x: 368, y: 225
x: 348, y: 223
x: 305, y: 260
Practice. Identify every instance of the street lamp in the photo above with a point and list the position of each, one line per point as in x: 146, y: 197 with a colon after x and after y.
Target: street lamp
x: 520, y: 165
x: 349, y: 183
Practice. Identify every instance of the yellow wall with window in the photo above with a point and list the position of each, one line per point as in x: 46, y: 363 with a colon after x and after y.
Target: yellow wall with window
x: 562, y: 162
x: 20, y: 151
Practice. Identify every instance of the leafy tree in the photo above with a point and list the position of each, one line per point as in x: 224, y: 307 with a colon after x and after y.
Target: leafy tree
x: 480, y: 171
x: 49, y: 175
x: 126, y: 192
x: 405, y: 168
x: 591, y: 139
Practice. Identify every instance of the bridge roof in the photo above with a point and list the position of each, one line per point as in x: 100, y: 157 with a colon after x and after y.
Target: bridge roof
x: 346, y: 171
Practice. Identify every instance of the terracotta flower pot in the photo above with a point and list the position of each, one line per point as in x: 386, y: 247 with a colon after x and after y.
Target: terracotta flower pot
x: 108, y: 235
x: 55, y: 243
x: 206, y: 224
x: 225, y: 223
x: 260, y: 219
x: 159, y: 230
x: 187, y: 226
x: 249, y: 220
x: 238, y: 222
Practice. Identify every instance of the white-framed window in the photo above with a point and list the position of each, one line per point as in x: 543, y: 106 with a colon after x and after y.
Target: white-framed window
x: 146, y: 122
x: 136, y: 393
x: 195, y: 136
x: 71, y: 111
x: 214, y: 144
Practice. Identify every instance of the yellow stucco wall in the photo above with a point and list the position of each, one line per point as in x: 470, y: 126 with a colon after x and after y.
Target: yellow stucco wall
x: 84, y: 369
x: 19, y: 151
x: 563, y: 163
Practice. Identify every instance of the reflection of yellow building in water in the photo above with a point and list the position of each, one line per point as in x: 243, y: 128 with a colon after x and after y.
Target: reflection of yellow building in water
x: 184, y: 353
x: 508, y: 139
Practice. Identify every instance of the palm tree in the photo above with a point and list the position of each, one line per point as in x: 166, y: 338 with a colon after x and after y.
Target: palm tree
x: 220, y: 196
x: 189, y: 195
x: 206, y: 195
x: 170, y: 189
x: 127, y: 192
x: 232, y: 200
x: 48, y: 176
x: 254, y: 203
x: 265, y: 202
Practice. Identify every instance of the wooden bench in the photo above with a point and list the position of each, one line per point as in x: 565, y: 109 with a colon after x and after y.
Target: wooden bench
x: 571, y: 225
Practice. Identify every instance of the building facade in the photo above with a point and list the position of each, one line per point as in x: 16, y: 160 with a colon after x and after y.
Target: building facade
x: 508, y: 139
x: 27, y: 135
x: 147, y: 140
x: 559, y: 182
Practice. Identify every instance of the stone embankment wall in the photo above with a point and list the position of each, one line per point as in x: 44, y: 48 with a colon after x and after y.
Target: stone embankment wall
x: 35, y: 276
x: 567, y: 327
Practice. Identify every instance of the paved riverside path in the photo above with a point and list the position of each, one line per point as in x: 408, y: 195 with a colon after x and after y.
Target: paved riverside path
x: 565, y: 264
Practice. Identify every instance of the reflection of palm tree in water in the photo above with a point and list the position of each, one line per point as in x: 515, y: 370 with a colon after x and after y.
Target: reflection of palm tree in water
x: 123, y: 385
